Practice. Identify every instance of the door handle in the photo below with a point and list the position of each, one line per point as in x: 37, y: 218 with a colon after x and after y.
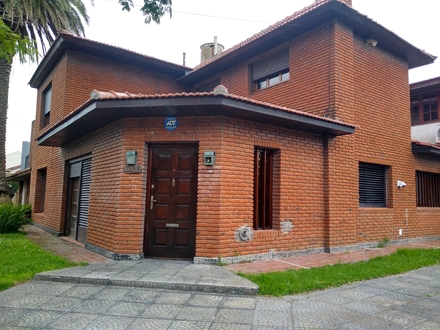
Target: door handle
x: 152, y: 201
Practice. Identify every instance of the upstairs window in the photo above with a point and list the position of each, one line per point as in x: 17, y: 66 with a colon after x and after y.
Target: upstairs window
x: 424, y: 109
x: 428, y: 189
x: 271, y: 71
x: 372, y: 185
x: 263, y: 182
x: 47, y: 100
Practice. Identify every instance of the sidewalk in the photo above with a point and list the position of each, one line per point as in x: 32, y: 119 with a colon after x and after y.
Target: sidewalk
x: 323, y: 259
x: 72, y: 250
x: 75, y: 251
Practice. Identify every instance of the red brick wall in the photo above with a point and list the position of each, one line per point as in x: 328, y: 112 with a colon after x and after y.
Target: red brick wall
x: 308, y: 86
x: 225, y: 191
x: 332, y: 72
x: 72, y: 79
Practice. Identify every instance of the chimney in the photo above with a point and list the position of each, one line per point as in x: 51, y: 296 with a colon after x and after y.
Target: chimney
x: 210, y: 50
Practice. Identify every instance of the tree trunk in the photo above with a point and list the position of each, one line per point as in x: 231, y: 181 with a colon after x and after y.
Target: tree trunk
x: 5, y: 71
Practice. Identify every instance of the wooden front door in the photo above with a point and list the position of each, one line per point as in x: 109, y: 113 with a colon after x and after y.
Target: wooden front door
x: 171, y: 204
x: 72, y: 207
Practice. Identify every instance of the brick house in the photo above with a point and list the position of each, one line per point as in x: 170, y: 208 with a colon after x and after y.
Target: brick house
x: 292, y: 141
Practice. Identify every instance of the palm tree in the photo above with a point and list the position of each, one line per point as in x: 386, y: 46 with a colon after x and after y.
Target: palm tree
x: 23, y: 23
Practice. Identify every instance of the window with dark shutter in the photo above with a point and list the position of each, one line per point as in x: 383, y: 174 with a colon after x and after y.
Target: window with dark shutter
x: 46, y: 105
x: 372, y: 185
x: 428, y: 189
x: 263, y: 181
x: 271, y: 71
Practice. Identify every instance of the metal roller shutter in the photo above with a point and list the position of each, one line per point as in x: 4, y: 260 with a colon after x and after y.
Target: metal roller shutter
x: 84, y: 198
x: 372, y: 185
x: 270, y: 65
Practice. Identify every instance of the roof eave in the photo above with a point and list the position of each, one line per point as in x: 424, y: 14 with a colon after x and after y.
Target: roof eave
x: 66, y: 42
x: 362, y: 26
x: 419, y: 149
x: 208, y: 105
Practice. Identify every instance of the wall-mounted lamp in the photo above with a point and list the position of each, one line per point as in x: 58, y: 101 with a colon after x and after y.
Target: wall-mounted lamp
x: 371, y: 42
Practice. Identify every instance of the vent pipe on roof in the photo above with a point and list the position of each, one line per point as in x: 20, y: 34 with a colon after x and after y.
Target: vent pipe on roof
x: 210, y: 50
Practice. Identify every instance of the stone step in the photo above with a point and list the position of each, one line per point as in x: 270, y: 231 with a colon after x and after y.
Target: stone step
x: 148, y: 273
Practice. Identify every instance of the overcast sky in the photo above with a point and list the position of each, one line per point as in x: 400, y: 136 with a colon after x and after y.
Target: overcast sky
x: 195, y: 22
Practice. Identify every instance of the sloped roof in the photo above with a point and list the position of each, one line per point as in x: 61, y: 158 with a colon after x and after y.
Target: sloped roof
x: 106, y: 107
x: 432, y: 84
x: 424, y: 148
x: 67, y: 41
x: 300, y: 22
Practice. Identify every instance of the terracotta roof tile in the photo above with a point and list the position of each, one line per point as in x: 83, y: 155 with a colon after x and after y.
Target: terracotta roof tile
x: 66, y: 33
x: 112, y: 95
x: 278, y: 24
x: 98, y: 95
x: 426, y: 144
x: 287, y: 20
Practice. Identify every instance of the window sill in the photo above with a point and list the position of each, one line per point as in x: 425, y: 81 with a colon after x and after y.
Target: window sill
x: 428, y: 210
x: 266, y: 88
x: 375, y: 210
x: 266, y: 233
x: 426, y: 123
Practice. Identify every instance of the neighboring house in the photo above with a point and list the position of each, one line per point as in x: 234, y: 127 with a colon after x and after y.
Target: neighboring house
x: 293, y: 140
x: 13, y: 161
x: 22, y: 174
x: 425, y: 135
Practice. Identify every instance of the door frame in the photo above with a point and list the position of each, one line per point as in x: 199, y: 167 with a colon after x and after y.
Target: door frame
x: 150, y: 146
x: 67, y: 198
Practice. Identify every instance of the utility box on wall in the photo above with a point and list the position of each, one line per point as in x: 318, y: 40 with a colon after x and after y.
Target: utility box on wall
x: 209, y: 157
x: 131, y: 157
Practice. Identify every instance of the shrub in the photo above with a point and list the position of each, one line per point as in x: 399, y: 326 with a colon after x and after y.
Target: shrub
x: 13, y: 217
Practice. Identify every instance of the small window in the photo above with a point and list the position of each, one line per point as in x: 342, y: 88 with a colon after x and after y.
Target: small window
x: 372, y: 185
x: 428, y: 189
x: 424, y: 109
x: 46, y: 105
x: 263, y: 181
x: 271, y: 70
x: 40, y: 191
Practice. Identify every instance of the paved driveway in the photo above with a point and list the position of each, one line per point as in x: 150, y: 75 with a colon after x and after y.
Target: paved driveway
x: 409, y: 301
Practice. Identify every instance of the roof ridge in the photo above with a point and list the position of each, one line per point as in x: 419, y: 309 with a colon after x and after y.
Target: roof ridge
x: 71, y: 35
x: 270, y: 28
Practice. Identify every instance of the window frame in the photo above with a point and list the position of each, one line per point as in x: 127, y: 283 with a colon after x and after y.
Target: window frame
x: 45, y: 107
x: 427, y: 193
x: 275, y: 66
x: 263, y: 217
x: 282, y: 76
x: 40, y: 192
x: 371, y: 194
x: 418, y: 103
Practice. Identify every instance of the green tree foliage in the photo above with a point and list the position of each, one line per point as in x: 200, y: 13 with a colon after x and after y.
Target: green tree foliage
x: 12, y: 43
x: 153, y: 10
x: 23, y: 23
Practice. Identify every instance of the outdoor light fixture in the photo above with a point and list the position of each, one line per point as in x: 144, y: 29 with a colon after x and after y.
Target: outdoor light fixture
x: 371, y: 42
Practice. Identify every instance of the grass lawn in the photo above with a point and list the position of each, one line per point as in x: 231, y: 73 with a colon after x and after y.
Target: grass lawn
x: 21, y: 259
x: 304, y: 280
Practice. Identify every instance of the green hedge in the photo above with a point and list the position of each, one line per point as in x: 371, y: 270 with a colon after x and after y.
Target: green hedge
x: 13, y: 217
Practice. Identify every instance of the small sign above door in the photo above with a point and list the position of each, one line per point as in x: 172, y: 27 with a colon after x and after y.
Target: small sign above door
x: 170, y: 123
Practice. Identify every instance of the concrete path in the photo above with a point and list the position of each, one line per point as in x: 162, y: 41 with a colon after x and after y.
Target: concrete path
x: 154, y: 273
x: 408, y: 301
